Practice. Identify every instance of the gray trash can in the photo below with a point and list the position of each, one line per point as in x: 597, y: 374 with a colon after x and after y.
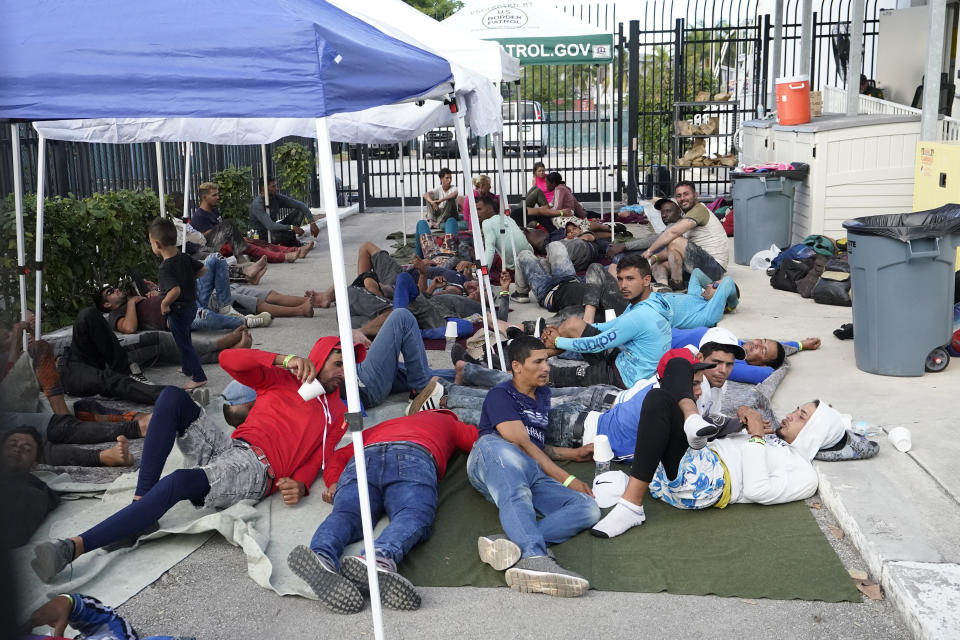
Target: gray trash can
x: 902, y: 276
x: 763, y: 213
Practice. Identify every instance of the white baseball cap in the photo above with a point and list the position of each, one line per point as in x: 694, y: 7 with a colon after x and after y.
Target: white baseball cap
x: 608, y: 487
x: 719, y: 335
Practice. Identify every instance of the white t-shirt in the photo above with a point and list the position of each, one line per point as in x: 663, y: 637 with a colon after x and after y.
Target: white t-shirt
x: 709, y: 233
x: 438, y: 193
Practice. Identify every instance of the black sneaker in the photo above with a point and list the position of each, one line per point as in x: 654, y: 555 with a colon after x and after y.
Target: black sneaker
x: 396, y: 592
x: 539, y: 325
x: 50, y: 558
x: 515, y: 332
x: 137, y: 373
x: 529, y: 326
x: 459, y: 352
x: 516, y: 296
x: 336, y: 592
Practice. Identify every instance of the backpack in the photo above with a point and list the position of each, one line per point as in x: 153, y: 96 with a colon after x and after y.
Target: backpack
x: 798, y: 251
x: 789, y: 273
x: 823, y: 245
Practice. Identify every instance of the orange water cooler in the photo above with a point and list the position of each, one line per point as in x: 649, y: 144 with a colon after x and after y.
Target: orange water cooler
x: 793, y: 100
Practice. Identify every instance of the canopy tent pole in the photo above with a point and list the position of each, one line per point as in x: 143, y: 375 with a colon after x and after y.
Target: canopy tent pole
x: 160, y: 194
x: 932, y: 71
x: 403, y: 195
x: 421, y: 155
x: 600, y: 189
x: 325, y: 171
x: 611, y: 176
x: 186, y: 192
x: 498, y: 153
x: 266, y: 188
x: 38, y: 238
x: 486, y: 294
x: 806, y: 36
x: 18, y: 207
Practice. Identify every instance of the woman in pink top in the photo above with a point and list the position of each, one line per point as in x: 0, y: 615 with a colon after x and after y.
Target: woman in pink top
x: 481, y: 187
x: 562, y: 196
x: 540, y: 181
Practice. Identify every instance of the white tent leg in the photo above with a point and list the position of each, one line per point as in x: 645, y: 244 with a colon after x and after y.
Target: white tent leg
x: 186, y: 191
x: 422, y: 156
x: 38, y: 238
x: 600, y: 185
x: 266, y: 189
x: 18, y: 207
x: 486, y: 294
x: 498, y: 149
x: 328, y: 187
x: 158, y: 148
x: 403, y: 195
x: 611, y: 175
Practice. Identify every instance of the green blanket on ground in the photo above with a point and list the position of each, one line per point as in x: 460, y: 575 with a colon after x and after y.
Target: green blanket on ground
x: 745, y: 550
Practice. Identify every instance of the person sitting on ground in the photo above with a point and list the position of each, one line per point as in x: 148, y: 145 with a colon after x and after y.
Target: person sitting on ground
x: 216, y: 230
x: 506, y: 243
x: 704, y: 303
x: 481, y: 189
x: 405, y: 458
x: 93, y: 619
x: 215, y: 293
x: 510, y: 467
x: 563, y: 198
x: 178, y: 275
x: 27, y: 500
x: 674, y: 460
x: 39, y: 358
x: 538, y: 203
x: 442, y: 200
x: 286, y: 231
x: 695, y: 239
x: 280, y: 445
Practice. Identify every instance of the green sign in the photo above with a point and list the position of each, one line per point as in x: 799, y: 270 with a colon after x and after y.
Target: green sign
x: 585, y: 49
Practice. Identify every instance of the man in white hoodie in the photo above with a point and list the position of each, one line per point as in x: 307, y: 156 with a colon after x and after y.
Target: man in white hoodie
x: 760, y: 466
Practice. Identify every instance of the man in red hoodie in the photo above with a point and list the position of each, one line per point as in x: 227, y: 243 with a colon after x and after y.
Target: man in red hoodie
x: 281, y: 446
x: 405, y: 459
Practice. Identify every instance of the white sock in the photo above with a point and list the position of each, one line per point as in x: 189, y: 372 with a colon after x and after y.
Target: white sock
x: 698, y: 430
x: 624, y: 515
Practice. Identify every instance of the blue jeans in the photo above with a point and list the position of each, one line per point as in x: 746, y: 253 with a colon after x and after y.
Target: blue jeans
x: 179, y: 322
x: 690, y: 310
x: 402, y: 481
x: 381, y: 373
x: 541, y: 282
x: 205, y: 319
x: 213, y: 287
x: 513, y: 481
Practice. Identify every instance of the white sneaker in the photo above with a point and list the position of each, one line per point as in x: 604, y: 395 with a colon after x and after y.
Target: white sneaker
x: 255, y: 320
x: 231, y: 260
x: 698, y: 430
x: 228, y: 310
x: 428, y: 398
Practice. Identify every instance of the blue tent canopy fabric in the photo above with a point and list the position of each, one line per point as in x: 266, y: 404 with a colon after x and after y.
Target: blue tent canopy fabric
x: 201, y: 59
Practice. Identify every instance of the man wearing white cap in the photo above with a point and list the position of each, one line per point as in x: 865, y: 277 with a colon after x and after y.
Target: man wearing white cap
x: 754, y: 467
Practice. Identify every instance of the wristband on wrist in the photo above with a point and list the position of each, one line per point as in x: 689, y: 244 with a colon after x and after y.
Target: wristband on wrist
x: 799, y: 346
x: 70, y: 598
x: 287, y: 360
x: 504, y: 293
x: 758, y: 440
x: 569, y: 479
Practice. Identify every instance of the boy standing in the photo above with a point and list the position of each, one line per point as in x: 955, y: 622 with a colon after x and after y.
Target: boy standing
x: 178, y: 285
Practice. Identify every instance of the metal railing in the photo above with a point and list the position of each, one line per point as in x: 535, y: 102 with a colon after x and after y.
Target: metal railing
x: 835, y: 100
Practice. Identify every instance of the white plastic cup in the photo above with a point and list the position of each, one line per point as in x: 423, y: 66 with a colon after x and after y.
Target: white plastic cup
x: 310, y: 390
x: 602, y: 451
x: 900, y: 438
x: 451, y: 331
x: 610, y: 314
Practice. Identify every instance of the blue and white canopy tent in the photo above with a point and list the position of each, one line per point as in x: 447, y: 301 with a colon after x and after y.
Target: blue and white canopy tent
x: 293, y: 59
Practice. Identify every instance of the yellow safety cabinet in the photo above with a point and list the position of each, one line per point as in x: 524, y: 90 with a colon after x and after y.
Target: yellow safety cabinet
x: 936, y: 180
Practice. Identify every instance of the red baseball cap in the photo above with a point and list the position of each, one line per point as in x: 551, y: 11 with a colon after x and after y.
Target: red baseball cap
x: 684, y: 353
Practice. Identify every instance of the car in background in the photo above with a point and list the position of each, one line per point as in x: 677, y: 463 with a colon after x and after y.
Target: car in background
x: 442, y: 142
x: 526, y: 132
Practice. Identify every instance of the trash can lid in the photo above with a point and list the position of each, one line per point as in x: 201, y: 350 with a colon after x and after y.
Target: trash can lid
x: 933, y: 223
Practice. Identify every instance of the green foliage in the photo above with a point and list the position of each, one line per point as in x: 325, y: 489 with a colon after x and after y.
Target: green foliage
x: 235, y: 193
x: 86, y: 243
x: 294, y: 167
x: 436, y: 9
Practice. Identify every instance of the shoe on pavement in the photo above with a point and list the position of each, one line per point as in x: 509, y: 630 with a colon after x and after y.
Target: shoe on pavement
x: 542, y: 574
x: 137, y: 373
x: 852, y: 446
x: 458, y: 352
x: 698, y: 430
x: 498, y: 551
x: 335, y: 591
x: 228, y: 310
x: 428, y: 398
x: 50, y: 558
x: 517, y: 296
x: 538, y: 326
x: 396, y: 592
x: 255, y: 320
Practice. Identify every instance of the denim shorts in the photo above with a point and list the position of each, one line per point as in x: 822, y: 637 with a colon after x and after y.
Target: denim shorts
x: 233, y: 470
x: 697, y: 258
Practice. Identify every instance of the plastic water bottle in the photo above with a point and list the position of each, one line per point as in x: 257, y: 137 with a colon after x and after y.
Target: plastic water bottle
x: 601, y: 467
x: 865, y: 429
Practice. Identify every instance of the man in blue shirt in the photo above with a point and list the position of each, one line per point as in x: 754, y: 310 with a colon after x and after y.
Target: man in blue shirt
x: 511, y: 467
x: 642, y: 334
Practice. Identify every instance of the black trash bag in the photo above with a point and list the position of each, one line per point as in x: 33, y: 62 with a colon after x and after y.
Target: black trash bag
x: 789, y: 273
x: 933, y: 223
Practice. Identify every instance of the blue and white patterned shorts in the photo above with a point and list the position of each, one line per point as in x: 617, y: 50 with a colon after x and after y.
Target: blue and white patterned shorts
x: 698, y: 485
